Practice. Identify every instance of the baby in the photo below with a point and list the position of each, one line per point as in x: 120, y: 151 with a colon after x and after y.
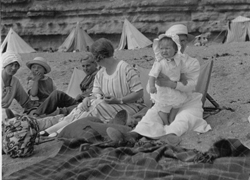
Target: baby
x: 168, y: 62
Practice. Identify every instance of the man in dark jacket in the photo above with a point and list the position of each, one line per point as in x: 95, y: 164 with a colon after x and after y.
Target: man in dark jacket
x: 64, y: 102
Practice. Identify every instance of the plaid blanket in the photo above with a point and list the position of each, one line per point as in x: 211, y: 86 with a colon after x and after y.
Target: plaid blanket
x: 93, y: 157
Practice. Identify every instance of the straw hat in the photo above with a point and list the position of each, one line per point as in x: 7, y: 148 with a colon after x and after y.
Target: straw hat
x: 41, y: 61
x: 180, y: 29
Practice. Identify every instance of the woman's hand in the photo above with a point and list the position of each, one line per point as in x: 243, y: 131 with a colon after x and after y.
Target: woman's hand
x: 130, y: 98
x: 164, y: 81
x: 84, y: 106
x: 111, y: 100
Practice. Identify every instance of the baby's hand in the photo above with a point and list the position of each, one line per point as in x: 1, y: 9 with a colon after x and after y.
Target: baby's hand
x: 153, y: 90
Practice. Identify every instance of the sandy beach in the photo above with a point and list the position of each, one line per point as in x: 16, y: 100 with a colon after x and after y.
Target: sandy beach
x: 229, y: 86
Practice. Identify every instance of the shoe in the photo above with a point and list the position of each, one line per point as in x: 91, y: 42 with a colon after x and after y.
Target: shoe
x: 118, y: 136
x: 54, y: 134
x: 120, y: 118
x: 114, y: 134
x: 44, y: 133
x: 171, y: 139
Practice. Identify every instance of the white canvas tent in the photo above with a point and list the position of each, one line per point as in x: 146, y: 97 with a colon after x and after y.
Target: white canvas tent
x: 77, y: 40
x: 13, y: 42
x: 74, y: 84
x: 132, y: 38
x: 238, y: 30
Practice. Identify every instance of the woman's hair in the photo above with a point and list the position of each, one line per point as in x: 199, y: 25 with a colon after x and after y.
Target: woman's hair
x: 171, y: 40
x: 87, y: 56
x: 102, y: 48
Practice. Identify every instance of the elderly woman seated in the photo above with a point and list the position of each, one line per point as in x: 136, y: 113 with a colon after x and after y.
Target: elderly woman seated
x: 116, y: 87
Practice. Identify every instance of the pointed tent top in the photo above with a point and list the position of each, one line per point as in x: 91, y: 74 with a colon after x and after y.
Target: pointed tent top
x: 132, y: 38
x: 126, y: 21
x: 241, y: 19
x: 78, y: 40
x: 13, y: 42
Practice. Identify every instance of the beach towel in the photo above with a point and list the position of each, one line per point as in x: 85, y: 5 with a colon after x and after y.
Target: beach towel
x: 92, y: 158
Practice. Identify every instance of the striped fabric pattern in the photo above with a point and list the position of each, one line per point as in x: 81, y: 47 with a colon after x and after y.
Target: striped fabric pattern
x: 122, y: 82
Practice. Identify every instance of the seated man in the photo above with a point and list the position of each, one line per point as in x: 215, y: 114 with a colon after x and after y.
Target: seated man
x: 65, y: 102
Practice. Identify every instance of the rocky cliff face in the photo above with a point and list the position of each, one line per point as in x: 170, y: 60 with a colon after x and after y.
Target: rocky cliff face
x: 46, y: 23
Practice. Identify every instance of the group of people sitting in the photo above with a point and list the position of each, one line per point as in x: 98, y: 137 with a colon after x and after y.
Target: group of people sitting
x: 113, y: 85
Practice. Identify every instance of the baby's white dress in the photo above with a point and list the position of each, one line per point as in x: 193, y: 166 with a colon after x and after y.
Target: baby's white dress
x: 167, y: 98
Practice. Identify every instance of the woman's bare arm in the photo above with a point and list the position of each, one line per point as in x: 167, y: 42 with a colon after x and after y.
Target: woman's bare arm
x: 130, y: 98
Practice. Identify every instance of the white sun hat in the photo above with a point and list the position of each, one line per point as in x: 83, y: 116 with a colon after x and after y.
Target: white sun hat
x: 10, y: 57
x: 180, y: 29
x: 156, y: 47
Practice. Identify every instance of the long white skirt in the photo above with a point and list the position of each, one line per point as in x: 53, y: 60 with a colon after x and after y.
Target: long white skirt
x: 189, y: 117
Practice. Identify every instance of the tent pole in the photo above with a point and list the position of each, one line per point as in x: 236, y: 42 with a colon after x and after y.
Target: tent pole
x: 212, y: 101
